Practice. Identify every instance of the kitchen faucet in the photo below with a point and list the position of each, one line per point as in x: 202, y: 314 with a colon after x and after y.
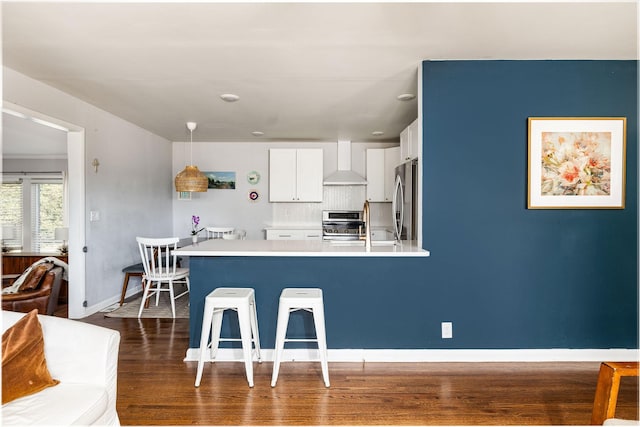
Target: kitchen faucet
x: 366, y: 214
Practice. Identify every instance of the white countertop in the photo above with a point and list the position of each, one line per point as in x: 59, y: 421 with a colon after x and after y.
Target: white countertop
x: 298, y: 248
x: 294, y: 227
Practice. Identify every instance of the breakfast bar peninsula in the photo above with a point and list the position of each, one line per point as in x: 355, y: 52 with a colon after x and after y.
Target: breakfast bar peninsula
x: 370, y: 296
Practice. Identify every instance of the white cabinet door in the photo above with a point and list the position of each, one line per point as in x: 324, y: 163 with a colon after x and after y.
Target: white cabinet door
x: 409, y: 142
x: 375, y: 175
x: 414, y: 140
x: 404, y: 145
x: 297, y: 234
x: 312, y: 234
x: 295, y: 175
x: 284, y: 235
x: 282, y: 175
x: 381, y: 165
x: 391, y: 160
x: 309, y: 175
x: 380, y: 234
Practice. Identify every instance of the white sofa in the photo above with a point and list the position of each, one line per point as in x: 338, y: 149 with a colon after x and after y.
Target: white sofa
x: 84, y: 358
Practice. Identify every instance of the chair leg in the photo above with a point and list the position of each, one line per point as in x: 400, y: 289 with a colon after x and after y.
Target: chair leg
x: 318, y: 320
x: 254, y: 329
x: 172, y: 299
x: 145, y: 295
x: 604, y: 404
x: 158, y: 290
x: 125, y: 284
x: 281, y: 331
x: 244, y: 319
x: 216, y: 326
x: 204, y: 339
x: 143, y: 281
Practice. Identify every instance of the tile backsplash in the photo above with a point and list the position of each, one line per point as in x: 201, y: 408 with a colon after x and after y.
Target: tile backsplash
x: 339, y: 197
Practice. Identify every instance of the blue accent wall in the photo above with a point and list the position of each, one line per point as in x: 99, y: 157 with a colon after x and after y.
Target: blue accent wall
x: 507, y: 277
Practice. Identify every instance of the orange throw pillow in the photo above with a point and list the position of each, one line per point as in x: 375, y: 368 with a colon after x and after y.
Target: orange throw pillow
x: 24, y: 368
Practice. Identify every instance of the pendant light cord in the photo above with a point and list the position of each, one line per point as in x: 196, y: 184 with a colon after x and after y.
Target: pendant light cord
x: 191, y: 155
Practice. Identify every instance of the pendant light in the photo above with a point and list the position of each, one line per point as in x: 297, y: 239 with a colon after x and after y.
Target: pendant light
x: 191, y: 179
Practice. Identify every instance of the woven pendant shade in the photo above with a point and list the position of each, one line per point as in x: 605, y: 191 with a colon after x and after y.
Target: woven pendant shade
x: 191, y: 179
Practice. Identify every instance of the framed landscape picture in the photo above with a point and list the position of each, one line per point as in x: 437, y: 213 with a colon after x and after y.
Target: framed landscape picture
x: 576, y: 163
x: 221, y: 180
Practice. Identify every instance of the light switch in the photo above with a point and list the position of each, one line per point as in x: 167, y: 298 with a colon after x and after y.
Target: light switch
x: 94, y: 216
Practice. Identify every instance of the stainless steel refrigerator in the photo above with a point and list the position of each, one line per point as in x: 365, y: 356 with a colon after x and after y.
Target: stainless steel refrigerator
x: 405, y: 199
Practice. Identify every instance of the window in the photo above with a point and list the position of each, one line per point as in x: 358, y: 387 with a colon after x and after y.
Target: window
x: 11, y: 215
x: 32, y: 208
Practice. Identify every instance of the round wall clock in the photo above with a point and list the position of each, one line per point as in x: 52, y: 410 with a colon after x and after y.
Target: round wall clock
x: 253, y: 177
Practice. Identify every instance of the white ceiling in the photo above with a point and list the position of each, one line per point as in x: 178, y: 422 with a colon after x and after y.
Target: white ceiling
x: 303, y: 71
x: 23, y: 138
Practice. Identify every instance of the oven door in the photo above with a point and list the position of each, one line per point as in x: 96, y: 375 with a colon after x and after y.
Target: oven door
x: 335, y: 230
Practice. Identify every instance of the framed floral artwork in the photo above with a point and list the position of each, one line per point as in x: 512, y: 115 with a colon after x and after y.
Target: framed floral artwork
x: 576, y: 163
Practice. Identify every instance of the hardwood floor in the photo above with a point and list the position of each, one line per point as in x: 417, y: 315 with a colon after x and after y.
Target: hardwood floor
x: 155, y: 387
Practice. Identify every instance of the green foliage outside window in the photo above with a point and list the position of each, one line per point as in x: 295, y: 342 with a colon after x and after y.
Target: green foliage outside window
x: 49, y: 215
x: 46, y: 214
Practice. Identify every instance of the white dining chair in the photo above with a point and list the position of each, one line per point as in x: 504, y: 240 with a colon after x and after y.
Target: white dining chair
x: 218, y: 232
x: 159, y: 261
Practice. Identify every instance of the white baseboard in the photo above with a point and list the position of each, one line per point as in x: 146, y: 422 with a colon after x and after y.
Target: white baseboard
x: 426, y: 355
x: 88, y: 311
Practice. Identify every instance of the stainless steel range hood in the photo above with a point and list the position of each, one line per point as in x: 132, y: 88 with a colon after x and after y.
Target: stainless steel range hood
x: 344, y: 175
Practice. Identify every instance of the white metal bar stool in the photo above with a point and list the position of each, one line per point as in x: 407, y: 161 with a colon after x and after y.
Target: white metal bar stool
x: 294, y: 299
x: 243, y: 301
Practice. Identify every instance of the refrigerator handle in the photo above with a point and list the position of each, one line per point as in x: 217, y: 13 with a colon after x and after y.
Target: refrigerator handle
x: 397, y: 222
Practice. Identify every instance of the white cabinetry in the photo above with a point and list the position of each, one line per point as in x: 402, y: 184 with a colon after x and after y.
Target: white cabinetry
x: 391, y: 160
x: 295, y: 175
x: 381, y: 164
x: 409, y: 142
x: 294, y: 234
x: 375, y: 174
x: 381, y: 234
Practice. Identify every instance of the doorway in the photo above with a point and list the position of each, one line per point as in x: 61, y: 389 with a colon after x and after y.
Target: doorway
x: 76, y: 196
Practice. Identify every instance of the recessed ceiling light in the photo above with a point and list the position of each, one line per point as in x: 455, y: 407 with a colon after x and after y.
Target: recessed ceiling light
x: 257, y: 133
x: 229, y: 97
x: 406, y: 97
x: 377, y: 133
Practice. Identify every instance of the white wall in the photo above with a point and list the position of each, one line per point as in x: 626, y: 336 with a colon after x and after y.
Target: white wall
x: 233, y: 208
x: 33, y: 165
x: 132, y: 189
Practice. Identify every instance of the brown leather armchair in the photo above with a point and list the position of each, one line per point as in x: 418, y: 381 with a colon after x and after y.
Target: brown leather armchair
x: 39, y: 291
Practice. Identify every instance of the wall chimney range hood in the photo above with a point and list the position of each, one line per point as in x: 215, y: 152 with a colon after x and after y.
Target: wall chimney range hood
x: 344, y: 175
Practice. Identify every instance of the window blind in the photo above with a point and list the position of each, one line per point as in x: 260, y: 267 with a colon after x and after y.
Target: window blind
x: 11, y: 214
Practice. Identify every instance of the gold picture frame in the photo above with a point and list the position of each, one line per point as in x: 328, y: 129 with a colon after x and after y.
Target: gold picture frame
x: 576, y: 162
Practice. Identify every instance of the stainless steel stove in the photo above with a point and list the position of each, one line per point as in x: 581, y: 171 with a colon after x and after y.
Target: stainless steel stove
x: 342, y: 225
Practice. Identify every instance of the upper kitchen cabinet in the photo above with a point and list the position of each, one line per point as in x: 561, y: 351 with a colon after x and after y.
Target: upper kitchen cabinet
x: 295, y: 175
x: 409, y: 142
x: 381, y: 164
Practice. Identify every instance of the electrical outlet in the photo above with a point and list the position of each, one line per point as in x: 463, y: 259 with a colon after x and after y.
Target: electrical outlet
x: 447, y: 329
